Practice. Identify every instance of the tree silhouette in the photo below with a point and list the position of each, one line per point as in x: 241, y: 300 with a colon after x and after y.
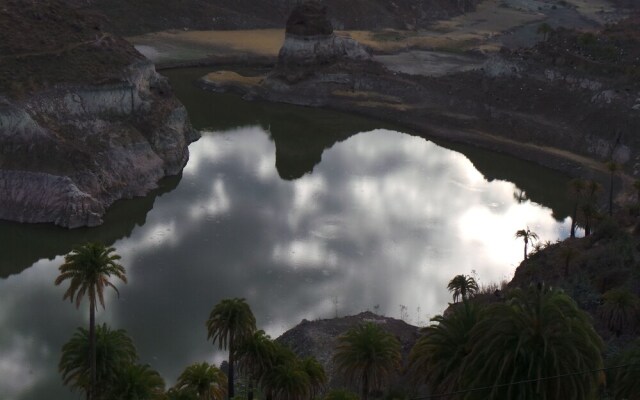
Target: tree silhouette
x: 255, y: 355
x: 613, y: 167
x: 316, y: 374
x: 620, y: 310
x: 368, y: 355
x: 576, y: 191
x: 204, y: 379
x: 626, y: 382
x: 528, y: 236
x: 538, y: 333
x: 230, y: 322
x: 462, y: 286
x: 437, y: 357
x: 88, y: 268
x: 568, y: 254
x: 287, y: 381
x: 114, y: 351
x: 136, y: 382
x: 544, y: 29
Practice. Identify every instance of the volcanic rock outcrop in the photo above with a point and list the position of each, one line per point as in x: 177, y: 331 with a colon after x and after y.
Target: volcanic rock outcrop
x: 310, y: 41
x: 84, y: 119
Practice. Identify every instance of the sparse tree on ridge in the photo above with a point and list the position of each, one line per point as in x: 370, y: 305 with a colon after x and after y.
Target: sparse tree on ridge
x: 462, y: 286
x: 576, y: 190
x: 613, y: 168
x: 620, y: 310
x: 544, y: 29
x: 528, y: 236
x: 230, y: 322
x: 88, y: 268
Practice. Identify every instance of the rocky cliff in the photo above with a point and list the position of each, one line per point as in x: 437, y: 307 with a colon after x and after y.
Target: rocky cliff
x: 84, y: 120
x: 310, y: 41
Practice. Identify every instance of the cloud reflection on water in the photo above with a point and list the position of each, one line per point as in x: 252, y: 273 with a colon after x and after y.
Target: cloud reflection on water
x: 385, y: 219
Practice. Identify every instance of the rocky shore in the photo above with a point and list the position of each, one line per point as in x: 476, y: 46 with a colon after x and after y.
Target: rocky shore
x: 535, y: 104
x: 70, y: 147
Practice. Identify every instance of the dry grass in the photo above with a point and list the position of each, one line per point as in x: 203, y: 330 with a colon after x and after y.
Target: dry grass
x: 264, y: 42
x: 230, y: 77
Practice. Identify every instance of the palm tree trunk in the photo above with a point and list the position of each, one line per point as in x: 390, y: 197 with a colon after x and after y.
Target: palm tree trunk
x: 611, y: 196
x: 365, y: 386
x: 230, y: 382
x: 574, y: 220
x: 526, y: 242
x: 92, y: 348
x: 250, y: 390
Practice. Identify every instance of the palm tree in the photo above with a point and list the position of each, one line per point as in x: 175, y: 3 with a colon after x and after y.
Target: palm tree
x: 462, y: 286
x: 626, y: 382
x: 204, y: 379
x: 340, y: 394
x: 316, y: 374
x: 437, y: 357
x: 620, y: 310
x: 527, y: 235
x: 568, y: 254
x: 287, y: 381
x: 255, y: 355
x: 136, y: 382
x: 186, y: 393
x: 613, y: 167
x: 230, y: 322
x: 545, y: 29
x: 576, y: 190
x: 636, y: 186
x: 89, y: 268
x: 114, y: 350
x: 537, y: 333
x: 367, y: 354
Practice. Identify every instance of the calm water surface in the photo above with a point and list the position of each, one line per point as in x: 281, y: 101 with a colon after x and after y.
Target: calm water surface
x: 306, y: 213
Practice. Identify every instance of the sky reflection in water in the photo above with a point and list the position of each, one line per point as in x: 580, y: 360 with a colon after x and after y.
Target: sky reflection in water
x: 385, y: 219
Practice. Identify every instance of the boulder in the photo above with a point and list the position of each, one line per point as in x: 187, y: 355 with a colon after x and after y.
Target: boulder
x: 310, y: 40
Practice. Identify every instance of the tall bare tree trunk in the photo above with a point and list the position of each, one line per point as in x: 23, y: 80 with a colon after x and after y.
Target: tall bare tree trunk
x: 91, y: 394
x: 230, y: 390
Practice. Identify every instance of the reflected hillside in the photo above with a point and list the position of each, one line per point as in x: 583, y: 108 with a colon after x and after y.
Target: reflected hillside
x: 24, y: 244
x: 302, y: 134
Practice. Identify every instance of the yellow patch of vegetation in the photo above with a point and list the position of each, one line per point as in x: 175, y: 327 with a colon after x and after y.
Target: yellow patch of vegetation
x: 266, y: 42
x: 232, y: 77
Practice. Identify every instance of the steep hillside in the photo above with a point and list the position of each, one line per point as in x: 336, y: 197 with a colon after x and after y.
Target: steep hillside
x: 140, y: 16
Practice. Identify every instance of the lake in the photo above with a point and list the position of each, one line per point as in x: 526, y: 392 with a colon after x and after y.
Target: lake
x: 306, y: 213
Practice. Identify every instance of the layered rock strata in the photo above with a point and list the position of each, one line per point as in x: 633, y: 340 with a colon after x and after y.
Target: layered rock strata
x: 310, y: 41
x: 69, y: 151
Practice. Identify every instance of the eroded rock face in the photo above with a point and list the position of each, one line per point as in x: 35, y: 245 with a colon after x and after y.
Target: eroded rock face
x: 310, y: 41
x: 67, y: 153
